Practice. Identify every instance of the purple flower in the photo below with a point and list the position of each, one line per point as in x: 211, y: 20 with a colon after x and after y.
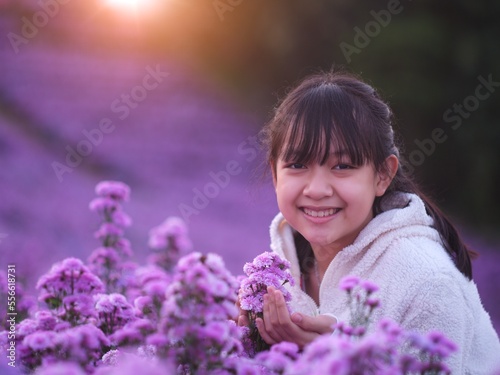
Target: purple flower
x: 83, y: 343
x: 40, y: 341
x: 196, y: 314
x: 242, y: 366
x: 268, y: 261
x: 109, y: 231
x: 151, y: 281
x: 115, y: 190
x: 144, y: 304
x: 267, y: 269
x: 171, y: 233
x: 279, y: 358
x: 433, y: 344
x: 78, y: 308
x: 127, y: 336
x: 26, y: 327
x: 150, y: 273
x: 372, y: 302
x: 114, y: 311
x: 107, y: 261
x: 443, y: 347
x: 133, y: 333
x: 158, y: 340
x: 107, y: 205
x: 369, y: 286
x: 123, y: 246
x: 68, y: 277
x: 120, y: 218
x: 67, y: 289
x: 290, y: 349
x: 348, y: 283
x: 102, y: 205
x: 129, y: 364
x: 61, y: 368
x: 169, y: 240
x: 46, y: 321
x: 111, y: 357
x: 325, y: 355
x: 144, y: 326
x: 390, y: 328
x: 275, y: 362
x: 361, y: 303
x: 156, y: 289
x: 103, y: 258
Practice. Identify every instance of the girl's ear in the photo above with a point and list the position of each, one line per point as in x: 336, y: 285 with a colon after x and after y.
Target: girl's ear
x: 272, y: 165
x: 384, y: 177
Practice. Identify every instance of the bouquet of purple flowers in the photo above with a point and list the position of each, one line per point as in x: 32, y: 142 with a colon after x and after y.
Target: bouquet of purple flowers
x: 267, y: 269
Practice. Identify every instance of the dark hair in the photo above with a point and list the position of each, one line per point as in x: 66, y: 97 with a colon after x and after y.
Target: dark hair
x: 339, y: 110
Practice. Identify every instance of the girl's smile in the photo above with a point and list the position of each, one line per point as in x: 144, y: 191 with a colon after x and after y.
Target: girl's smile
x: 317, y: 212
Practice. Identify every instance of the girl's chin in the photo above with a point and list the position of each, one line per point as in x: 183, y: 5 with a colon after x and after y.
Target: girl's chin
x: 326, y: 242
x: 319, y: 242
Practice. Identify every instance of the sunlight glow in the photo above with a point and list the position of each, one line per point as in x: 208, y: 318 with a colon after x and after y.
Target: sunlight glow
x: 131, y: 5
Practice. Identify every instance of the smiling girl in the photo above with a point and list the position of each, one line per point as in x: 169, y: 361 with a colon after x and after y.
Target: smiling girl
x: 348, y: 208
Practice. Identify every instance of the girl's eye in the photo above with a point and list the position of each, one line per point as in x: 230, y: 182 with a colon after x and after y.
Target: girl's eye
x: 342, y: 166
x: 296, y: 166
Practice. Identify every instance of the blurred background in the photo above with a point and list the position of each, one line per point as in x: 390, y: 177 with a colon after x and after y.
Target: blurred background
x: 168, y: 95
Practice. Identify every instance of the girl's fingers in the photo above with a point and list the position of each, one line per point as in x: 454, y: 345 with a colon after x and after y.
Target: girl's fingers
x: 263, y: 332
x: 285, y: 327
x: 270, y: 317
x: 277, y: 317
x: 320, y: 324
x: 277, y: 325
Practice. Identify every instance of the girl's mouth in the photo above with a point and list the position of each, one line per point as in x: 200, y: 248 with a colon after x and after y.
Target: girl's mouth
x: 320, y: 213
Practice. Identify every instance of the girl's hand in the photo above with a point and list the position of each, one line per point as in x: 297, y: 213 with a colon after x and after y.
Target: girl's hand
x: 242, y: 318
x: 278, y: 325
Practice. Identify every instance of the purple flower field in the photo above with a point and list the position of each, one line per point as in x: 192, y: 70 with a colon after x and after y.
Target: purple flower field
x: 68, y: 119
x: 97, y: 318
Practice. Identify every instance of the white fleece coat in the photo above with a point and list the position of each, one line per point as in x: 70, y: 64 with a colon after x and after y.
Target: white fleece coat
x: 420, y: 287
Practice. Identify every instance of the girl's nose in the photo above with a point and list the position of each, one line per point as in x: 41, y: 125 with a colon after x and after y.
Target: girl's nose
x: 318, y: 184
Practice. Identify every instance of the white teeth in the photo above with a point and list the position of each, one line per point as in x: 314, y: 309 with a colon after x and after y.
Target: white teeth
x: 322, y: 213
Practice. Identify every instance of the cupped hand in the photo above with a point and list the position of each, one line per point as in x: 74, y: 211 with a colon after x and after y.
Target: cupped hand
x: 242, y: 318
x: 278, y: 325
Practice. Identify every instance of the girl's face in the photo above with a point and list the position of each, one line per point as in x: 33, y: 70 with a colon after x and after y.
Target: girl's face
x: 329, y: 204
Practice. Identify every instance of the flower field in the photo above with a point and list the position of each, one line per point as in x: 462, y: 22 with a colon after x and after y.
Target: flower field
x: 143, y: 295
x: 108, y: 315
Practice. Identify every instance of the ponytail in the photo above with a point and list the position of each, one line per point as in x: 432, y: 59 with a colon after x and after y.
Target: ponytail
x: 459, y: 252
x: 453, y: 243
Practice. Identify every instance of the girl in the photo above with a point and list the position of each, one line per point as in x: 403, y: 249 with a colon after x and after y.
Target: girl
x: 348, y: 208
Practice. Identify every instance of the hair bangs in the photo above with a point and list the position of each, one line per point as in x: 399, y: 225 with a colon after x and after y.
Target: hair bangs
x: 326, y: 122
